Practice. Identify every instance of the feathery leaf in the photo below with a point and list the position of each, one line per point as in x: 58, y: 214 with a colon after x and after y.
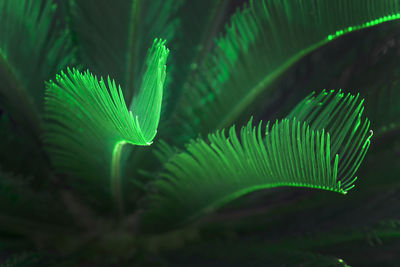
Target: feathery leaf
x: 88, y: 121
x: 264, y: 40
x: 321, y: 147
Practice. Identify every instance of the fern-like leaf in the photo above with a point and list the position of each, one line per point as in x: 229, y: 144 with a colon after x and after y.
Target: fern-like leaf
x: 262, y: 41
x: 89, y: 122
x: 320, y: 145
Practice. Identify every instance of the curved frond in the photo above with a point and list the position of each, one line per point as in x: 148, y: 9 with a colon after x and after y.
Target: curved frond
x: 262, y: 41
x: 88, y: 121
x: 321, y: 147
x: 340, y: 115
x: 31, y: 51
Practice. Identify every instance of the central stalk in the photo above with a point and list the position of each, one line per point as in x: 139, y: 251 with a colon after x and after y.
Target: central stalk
x: 116, y: 190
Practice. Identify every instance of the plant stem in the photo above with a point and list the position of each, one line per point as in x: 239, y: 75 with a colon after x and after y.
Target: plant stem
x: 116, y: 177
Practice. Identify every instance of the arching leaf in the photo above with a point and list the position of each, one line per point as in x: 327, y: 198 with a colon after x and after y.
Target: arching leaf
x: 320, y: 145
x: 262, y: 41
x: 88, y: 122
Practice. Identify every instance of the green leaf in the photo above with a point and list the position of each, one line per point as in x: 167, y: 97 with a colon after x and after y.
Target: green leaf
x: 320, y: 145
x: 88, y: 122
x: 33, y: 47
x: 263, y: 41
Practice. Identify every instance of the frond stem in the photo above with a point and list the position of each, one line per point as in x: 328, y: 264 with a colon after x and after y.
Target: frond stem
x: 116, y: 190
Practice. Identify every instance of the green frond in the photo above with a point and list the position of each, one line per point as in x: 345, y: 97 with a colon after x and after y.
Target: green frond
x: 88, y: 121
x: 31, y: 51
x: 113, y: 38
x: 262, y: 41
x: 320, y: 145
x: 340, y: 115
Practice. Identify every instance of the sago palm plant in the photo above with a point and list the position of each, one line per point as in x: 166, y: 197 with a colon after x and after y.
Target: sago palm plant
x: 118, y: 144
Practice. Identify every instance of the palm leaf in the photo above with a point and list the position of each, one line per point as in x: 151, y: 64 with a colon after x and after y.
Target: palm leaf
x: 262, y: 41
x: 89, y: 122
x: 320, y: 145
x: 112, y: 39
x: 30, y: 53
